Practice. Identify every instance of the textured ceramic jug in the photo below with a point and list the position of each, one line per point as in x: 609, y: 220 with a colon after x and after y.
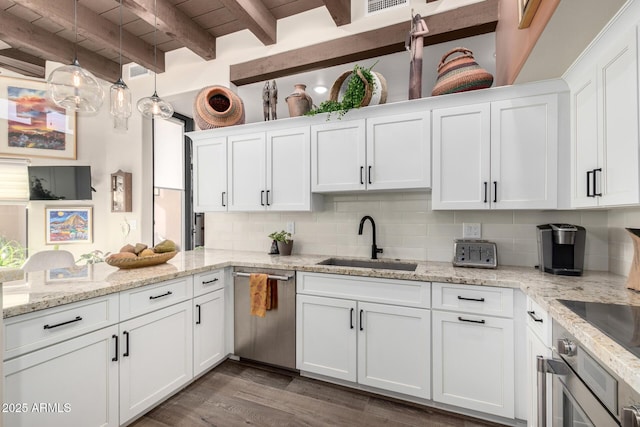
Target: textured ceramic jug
x: 633, y: 281
x: 299, y: 102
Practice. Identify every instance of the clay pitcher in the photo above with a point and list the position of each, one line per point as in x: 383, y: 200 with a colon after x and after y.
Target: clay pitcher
x: 299, y: 102
x: 633, y: 280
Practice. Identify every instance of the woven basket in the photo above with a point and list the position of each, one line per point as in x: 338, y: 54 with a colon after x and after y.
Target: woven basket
x: 460, y: 74
x: 372, y: 96
x: 217, y: 106
x: 138, y: 262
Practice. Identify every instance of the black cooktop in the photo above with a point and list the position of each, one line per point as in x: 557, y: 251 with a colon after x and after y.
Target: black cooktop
x: 620, y: 322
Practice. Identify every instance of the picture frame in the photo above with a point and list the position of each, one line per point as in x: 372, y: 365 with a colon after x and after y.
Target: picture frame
x: 64, y: 224
x: 31, y: 125
x: 526, y: 10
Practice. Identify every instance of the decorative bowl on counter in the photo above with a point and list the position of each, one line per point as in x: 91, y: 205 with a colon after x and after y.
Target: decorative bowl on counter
x: 141, y: 261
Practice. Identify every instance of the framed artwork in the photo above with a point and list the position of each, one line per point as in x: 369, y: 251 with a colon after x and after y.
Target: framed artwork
x: 31, y: 125
x: 526, y: 10
x: 68, y: 224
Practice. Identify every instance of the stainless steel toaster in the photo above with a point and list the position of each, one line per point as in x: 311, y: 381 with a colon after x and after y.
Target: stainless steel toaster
x: 475, y: 253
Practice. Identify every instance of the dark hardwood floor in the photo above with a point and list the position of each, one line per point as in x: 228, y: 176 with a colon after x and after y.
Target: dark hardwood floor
x: 240, y: 394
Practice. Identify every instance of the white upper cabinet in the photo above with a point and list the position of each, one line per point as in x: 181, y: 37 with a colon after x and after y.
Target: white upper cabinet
x: 604, y: 121
x: 500, y: 155
x: 247, y: 172
x: 381, y: 153
x: 210, y: 174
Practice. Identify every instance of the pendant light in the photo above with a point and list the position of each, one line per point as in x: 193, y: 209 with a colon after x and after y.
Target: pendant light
x: 120, y: 94
x: 154, y: 106
x: 72, y: 87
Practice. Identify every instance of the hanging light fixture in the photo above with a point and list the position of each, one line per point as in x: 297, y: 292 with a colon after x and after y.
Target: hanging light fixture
x: 154, y: 106
x: 120, y: 94
x: 72, y: 87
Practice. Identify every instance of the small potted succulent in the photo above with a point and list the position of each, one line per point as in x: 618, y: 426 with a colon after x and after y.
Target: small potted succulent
x: 283, y: 240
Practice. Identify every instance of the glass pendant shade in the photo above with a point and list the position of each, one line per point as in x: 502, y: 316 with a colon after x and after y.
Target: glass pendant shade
x: 120, y: 102
x: 74, y: 88
x: 153, y: 105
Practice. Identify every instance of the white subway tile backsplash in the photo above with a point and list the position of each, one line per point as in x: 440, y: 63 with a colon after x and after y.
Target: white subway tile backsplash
x: 484, y: 217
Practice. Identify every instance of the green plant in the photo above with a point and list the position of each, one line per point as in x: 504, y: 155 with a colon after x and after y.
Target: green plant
x: 93, y: 257
x: 12, y: 253
x: 280, y: 236
x: 352, y: 97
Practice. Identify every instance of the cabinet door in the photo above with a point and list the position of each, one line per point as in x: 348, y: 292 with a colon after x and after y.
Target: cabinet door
x: 338, y: 156
x: 461, y: 157
x: 473, y: 362
x: 394, y: 348
x: 524, y: 153
x: 326, y: 337
x: 208, y: 331
x: 535, y: 348
x: 156, y: 357
x: 210, y: 175
x: 618, y: 86
x: 74, y: 383
x: 584, y: 141
x: 246, y: 172
x: 399, y: 152
x: 288, y: 175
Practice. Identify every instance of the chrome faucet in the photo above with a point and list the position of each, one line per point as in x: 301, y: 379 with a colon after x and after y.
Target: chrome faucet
x: 374, y: 249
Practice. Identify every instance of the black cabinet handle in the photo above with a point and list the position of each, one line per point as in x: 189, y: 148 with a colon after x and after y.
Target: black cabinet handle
x: 224, y: 193
x: 262, y: 198
x: 495, y: 191
x: 77, y: 319
x: 470, y: 299
x: 115, y: 358
x: 162, y: 295
x: 589, y: 194
x: 268, y: 197
x: 595, y: 181
x: 351, y: 318
x: 361, y: 179
x: 210, y: 281
x: 369, y: 177
x: 199, y: 319
x: 361, y: 328
x: 462, y: 319
x: 126, y: 343
x: 535, y: 318
x: 485, y: 191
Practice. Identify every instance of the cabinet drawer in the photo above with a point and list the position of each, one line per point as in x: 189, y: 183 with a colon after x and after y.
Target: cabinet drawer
x: 473, y: 299
x: 538, y: 321
x: 153, y: 297
x: 208, y: 282
x: 389, y: 291
x: 28, y: 332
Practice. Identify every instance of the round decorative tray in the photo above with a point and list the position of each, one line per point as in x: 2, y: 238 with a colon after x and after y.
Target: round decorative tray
x: 138, y: 262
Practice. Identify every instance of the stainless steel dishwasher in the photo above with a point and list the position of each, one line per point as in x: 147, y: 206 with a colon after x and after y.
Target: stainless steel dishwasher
x: 270, y: 339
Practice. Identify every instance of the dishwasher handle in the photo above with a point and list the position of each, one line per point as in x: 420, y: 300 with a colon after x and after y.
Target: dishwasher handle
x: 283, y: 278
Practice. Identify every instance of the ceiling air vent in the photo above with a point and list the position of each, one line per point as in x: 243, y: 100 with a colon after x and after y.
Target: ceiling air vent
x: 136, y: 70
x: 374, y: 6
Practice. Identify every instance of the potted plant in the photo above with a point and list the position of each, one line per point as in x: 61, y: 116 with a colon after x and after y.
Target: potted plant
x: 283, y: 240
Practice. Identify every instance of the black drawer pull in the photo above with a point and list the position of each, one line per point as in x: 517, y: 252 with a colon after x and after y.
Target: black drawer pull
x: 199, y: 319
x: 495, y: 191
x: 594, y: 182
x: 268, y: 191
x: 115, y: 358
x: 361, y: 328
x: 206, y: 282
x: 369, y: 177
x: 535, y: 318
x: 223, y: 194
x: 262, y: 198
x: 485, y: 192
x: 470, y: 299
x: 589, y: 194
x: 160, y: 296
x: 462, y: 319
x: 351, y: 318
x: 361, y: 180
x: 77, y: 319
x: 126, y: 352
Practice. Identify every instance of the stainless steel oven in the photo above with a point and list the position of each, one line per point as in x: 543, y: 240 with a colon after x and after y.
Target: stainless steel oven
x: 584, y: 392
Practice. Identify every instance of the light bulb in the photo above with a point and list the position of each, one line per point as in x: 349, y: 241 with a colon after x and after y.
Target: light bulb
x: 76, y: 79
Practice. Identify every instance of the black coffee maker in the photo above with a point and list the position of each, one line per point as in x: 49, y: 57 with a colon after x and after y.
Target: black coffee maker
x: 561, y: 249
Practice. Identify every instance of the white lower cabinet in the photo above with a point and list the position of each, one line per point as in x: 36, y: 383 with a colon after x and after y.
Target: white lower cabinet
x: 155, y: 357
x: 73, y: 383
x: 208, y: 331
x: 377, y: 345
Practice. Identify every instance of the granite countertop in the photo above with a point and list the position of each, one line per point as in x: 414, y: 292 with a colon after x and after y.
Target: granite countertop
x: 42, y: 290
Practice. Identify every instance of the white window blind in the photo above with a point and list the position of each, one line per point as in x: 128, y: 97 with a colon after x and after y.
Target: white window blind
x: 14, y: 180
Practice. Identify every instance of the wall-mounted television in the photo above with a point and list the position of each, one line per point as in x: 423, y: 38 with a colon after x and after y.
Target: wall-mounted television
x: 60, y: 183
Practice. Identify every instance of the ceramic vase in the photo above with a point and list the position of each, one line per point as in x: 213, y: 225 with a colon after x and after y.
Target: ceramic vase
x: 285, y: 248
x: 633, y: 280
x: 299, y: 102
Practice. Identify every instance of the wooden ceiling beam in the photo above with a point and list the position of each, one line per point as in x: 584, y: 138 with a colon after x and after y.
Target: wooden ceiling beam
x: 23, y: 63
x: 99, y: 29
x: 24, y: 35
x: 176, y: 24
x: 340, y: 11
x: 256, y: 17
x: 466, y: 21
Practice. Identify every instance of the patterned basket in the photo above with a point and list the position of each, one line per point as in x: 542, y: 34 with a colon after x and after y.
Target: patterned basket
x: 460, y: 74
x: 217, y: 106
x: 144, y: 261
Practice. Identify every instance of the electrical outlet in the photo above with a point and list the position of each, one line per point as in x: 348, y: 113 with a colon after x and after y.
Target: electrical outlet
x: 471, y: 230
x: 291, y: 227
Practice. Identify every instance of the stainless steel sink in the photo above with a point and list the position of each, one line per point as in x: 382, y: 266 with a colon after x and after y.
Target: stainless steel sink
x: 375, y: 264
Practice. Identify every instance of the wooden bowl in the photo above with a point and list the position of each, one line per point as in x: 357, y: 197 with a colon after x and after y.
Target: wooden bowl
x: 144, y: 261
